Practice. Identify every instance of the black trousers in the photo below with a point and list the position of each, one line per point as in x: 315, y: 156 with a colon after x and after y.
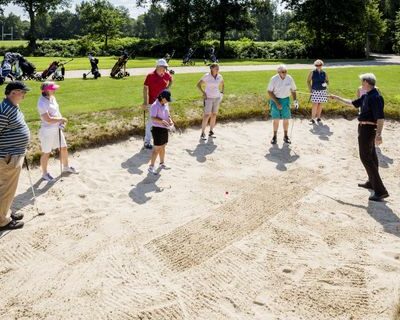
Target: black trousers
x: 366, y: 144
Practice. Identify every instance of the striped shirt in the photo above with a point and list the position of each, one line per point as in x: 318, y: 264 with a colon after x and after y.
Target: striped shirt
x: 14, y: 132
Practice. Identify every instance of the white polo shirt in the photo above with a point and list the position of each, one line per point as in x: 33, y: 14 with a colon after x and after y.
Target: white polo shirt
x: 51, y: 107
x: 282, y: 88
x: 212, y: 85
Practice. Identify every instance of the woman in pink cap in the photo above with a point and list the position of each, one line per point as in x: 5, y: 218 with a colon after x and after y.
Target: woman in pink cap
x: 50, y: 132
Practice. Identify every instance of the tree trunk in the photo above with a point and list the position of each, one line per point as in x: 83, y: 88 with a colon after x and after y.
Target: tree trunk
x: 32, y: 28
x: 222, y: 26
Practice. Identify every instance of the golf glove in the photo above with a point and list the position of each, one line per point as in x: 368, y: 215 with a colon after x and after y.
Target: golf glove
x: 296, y: 104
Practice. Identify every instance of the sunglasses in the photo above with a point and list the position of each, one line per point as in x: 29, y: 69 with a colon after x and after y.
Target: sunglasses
x: 282, y: 71
x: 318, y: 65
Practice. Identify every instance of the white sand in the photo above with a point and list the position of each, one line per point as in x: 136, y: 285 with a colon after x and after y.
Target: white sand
x: 294, y: 238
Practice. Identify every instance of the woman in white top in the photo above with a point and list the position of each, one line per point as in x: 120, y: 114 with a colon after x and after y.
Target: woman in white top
x: 211, y: 86
x: 50, y: 131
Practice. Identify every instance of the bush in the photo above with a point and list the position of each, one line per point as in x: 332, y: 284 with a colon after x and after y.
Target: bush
x: 241, y: 49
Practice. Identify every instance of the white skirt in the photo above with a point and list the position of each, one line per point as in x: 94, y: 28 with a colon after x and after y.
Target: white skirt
x: 319, y: 96
x: 50, y: 139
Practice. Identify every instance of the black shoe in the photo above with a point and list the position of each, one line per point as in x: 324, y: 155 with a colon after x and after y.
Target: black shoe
x: 366, y: 185
x: 378, y: 198
x: 319, y: 121
x: 12, y: 225
x: 287, y: 140
x: 312, y: 121
x: 17, y: 216
x: 273, y: 141
x: 148, y: 146
x: 203, y: 136
x: 211, y: 134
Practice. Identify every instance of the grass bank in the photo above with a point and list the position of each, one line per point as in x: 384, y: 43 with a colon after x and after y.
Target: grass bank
x: 106, y: 110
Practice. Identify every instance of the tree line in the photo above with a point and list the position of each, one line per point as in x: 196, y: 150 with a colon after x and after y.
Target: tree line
x: 328, y: 28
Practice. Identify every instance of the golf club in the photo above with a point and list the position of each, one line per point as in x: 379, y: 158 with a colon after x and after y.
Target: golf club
x: 33, y: 190
x: 59, y: 140
x: 144, y: 124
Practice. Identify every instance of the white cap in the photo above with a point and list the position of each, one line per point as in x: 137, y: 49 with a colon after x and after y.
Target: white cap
x: 162, y: 63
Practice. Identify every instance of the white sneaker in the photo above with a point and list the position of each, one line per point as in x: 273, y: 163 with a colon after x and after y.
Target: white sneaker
x: 164, y: 166
x: 151, y: 170
x: 47, y: 177
x: 70, y: 170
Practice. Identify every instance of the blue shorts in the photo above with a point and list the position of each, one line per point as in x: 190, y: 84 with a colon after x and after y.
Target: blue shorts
x: 281, y: 114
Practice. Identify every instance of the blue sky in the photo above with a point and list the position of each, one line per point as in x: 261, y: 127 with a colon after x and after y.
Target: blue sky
x: 130, y: 4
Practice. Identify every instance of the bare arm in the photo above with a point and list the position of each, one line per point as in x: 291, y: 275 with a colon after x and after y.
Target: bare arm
x: 46, y: 117
x: 309, y: 81
x: 347, y: 102
x: 169, y: 83
x: 326, y: 78
x: 200, y: 87
x: 222, y: 87
x: 145, y: 95
x: 294, y: 94
x: 275, y: 99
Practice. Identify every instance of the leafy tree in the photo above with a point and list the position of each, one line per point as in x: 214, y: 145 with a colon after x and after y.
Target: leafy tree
x: 100, y: 19
x: 34, y: 8
x: 226, y: 15
x: 64, y: 25
x: 335, y: 27
x: 19, y: 27
x: 396, y: 44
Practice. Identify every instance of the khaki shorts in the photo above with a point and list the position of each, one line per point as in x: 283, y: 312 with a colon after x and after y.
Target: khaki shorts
x: 211, y: 105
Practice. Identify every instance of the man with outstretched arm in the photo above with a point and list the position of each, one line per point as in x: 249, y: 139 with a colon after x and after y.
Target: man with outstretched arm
x: 156, y: 82
x: 279, y: 89
x: 371, y: 119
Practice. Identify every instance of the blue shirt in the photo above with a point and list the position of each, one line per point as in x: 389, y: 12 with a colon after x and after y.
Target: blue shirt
x: 14, y: 132
x: 318, y: 78
x: 371, y: 106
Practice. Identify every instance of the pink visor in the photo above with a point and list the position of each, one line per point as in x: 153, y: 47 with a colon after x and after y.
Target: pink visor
x: 51, y: 87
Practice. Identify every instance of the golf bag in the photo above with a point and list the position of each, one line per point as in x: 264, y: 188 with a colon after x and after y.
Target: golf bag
x: 119, y: 69
x: 94, y: 68
x: 187, y: 58
x: 10, y: 67
x: 212, y: 57
x: 56, y: 70
x: 28, y: 70
x: 168, y: 56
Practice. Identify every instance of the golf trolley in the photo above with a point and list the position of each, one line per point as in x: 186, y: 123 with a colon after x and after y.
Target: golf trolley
x: 10, y: 67
x: 94, y: 68
x: 119, y: 69
x: 56, y: 70
x: 168, y: 56
x: 212, y: 57
x: 187, y: 58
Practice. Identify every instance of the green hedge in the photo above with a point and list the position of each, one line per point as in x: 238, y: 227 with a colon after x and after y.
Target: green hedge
x: 240, y: 49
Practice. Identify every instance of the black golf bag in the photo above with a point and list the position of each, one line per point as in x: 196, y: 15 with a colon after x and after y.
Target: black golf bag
x: 187, y: 58
x: 168, y: 56
x: 28, y: 70
x: 119, y: 69
x: 56, y: 70
x: 94, y: 69
x: 212, y: 57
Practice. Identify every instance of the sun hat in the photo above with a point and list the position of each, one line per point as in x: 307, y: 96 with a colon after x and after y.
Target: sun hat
x: 162, y: 63
x: 49, y: 86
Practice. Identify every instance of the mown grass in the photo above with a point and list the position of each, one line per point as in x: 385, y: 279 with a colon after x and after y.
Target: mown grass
x: 107, y: 109
x: 82, y: 63
x: 12, y: 43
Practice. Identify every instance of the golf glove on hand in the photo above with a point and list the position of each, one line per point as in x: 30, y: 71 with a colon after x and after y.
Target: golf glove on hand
x: 296, y: 104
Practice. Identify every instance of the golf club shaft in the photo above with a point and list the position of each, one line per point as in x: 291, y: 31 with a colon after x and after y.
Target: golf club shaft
x: 33, y: 190
x: 59, y: 140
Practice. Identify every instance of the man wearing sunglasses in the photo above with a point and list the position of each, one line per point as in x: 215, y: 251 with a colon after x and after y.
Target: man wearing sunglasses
x: 279, y: 89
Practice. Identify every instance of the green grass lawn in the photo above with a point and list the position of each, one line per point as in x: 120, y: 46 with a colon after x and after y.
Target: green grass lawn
x: 12, y: 43
x: 82, y: 63
x: 107, y: 109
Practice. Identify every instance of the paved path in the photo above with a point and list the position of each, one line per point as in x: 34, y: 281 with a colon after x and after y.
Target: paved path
x: 381, y: 59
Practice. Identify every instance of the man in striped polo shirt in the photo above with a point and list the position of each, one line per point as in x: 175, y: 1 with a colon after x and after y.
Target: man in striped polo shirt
x: 14, y: 139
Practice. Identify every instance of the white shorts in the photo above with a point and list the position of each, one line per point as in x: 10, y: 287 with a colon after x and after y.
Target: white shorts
x: 50, y: 140
x: 211, y: 105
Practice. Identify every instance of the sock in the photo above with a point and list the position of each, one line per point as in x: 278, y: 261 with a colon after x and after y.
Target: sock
x: 275, y: 132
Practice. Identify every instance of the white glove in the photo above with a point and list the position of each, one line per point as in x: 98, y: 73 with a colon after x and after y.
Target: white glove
x: 296, y: 104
